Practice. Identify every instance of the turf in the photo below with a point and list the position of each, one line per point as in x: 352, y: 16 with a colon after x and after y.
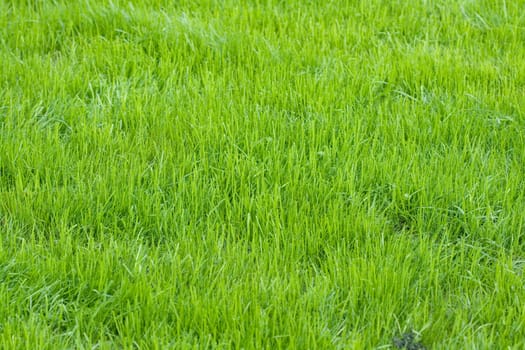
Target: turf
x: 262, y: 174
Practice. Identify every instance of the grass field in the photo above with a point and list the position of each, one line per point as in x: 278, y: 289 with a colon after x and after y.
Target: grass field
x: 262, y: 174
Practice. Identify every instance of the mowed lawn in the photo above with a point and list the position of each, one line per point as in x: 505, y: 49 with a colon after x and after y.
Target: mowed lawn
x: 262, y: 174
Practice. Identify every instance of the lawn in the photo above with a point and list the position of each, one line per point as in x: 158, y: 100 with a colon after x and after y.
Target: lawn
x: 262, y: 174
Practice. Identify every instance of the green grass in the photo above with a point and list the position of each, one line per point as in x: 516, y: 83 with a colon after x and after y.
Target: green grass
x: 262, y: 174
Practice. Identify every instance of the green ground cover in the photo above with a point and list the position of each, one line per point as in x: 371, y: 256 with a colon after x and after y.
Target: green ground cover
x: 262, y: 174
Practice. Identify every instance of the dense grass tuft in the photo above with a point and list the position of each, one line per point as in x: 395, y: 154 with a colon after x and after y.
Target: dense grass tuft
x: 262, y: 174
